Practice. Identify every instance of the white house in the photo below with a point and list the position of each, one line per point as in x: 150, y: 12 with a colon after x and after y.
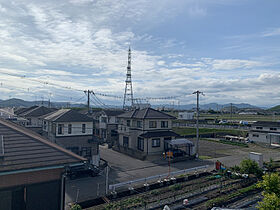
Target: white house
x: 265, y: 132
x: 145, y: 132
x: 73, y: 131
x: 186, y: 115
x: 106, y: 124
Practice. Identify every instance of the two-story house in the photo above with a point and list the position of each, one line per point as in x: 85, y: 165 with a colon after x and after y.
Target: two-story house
x: 265, y: 132
x: 32, y: 115
x: 106, y: 125
x: 32, y: 170
x: 144, y: 132
x: 73, y: 131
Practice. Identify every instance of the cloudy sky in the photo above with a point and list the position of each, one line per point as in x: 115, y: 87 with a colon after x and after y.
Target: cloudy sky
x: 229, y: 49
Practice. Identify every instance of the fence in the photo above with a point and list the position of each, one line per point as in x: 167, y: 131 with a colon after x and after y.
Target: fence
x: 156, y: 177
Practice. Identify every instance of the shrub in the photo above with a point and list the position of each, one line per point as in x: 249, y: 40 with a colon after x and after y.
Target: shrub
x: 248, y: 166
x: 76, y: 207
x: 176, y: 187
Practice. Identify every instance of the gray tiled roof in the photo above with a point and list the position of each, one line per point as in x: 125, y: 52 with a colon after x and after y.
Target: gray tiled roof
x: 67, y: 115
x: 147, y: 113
x: 24, y: 149
x: 37, y: 111
x: 266, y: 124
x: 22, y: 110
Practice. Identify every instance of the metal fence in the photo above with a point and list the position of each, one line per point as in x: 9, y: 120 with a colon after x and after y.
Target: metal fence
x: 156, y: 177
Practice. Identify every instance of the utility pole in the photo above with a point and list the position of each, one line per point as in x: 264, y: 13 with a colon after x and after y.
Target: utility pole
x: 197, y: 118
x: 87, y: 92
x: 231, y: 111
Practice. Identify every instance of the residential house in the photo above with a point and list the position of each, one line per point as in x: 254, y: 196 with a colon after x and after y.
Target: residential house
x: 265, y: 132
x: 144, y: 132
x: 73, y: 131
x: 34, y: 122
x: 32, y: 170
x: 106, y: 125
x: 186, y: 115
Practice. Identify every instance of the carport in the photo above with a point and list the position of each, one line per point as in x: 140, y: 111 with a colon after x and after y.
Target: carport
x: 274, y: 139
x: 179, y: 147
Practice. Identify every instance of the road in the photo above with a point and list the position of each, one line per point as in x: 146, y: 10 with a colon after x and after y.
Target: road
x: 125, y: 168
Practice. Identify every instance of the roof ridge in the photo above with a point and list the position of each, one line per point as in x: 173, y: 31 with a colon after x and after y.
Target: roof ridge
x: 146, y: 112
x: 36, y: 136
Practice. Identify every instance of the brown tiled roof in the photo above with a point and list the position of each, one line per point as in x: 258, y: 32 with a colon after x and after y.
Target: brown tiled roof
x: 24, y: 149
x: 147, y: 113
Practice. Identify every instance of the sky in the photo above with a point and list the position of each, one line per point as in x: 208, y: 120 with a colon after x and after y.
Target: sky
x: 228, y: 49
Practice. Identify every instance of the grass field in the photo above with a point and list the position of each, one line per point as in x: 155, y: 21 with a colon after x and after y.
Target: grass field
x: 192, y: 131
x: 239, y: 117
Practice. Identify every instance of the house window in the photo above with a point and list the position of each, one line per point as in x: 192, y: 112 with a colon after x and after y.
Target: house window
x: 128, y: 122
x: 273, y: 129
x: 45, y: 125
x: 69, y: 128
x: 60, y: 128
x: 164, y: 124
x: 152, y: 124
x: 259, y: 128
x: 53, y: 128
x: 83, y: 128
x: 103, y: 119
x: 156, y: 142
x: 125, y: 141
x: 139, y: 124
x: 255, y: 135
x: 140, y: 144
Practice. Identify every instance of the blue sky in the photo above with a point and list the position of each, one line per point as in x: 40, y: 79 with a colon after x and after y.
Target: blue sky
x: 229, y: 49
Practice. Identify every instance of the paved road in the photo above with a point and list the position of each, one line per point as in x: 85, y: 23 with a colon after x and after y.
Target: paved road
x: 125, y: 168
x: 122, y: 168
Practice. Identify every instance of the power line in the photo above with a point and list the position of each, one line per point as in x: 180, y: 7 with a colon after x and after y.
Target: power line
x: 80, y: 90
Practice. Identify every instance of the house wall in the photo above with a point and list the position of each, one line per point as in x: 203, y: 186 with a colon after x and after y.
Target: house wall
x: 259, y: 133
x: 43, y: 196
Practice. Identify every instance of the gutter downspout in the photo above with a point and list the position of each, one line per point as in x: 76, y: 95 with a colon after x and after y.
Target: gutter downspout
x: 62, y: 196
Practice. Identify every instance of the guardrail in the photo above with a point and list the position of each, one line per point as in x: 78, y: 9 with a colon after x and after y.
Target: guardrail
x: 146, y: 179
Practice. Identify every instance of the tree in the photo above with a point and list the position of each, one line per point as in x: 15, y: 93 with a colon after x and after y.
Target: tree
x: 270, y: 183
x: 270, y: 201
x: 250, y: 167
x: 76, y: 207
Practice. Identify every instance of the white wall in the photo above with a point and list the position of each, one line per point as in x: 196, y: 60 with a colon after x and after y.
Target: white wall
x: 76, y: 129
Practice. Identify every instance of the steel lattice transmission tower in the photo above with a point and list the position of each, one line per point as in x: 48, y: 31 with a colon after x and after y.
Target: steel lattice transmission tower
x: 128, y: 93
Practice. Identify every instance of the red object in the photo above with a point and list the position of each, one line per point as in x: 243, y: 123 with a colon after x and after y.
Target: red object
x: 218, y: 165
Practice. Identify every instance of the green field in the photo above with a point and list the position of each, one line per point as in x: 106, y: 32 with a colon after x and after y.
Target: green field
x: 192, y: 131
x: 239, y: 117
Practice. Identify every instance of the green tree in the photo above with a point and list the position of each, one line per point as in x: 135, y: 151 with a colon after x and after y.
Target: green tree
x: 250, y: 167
x: 76, y: 207
x: 270, y: 183
x: 270, y: 201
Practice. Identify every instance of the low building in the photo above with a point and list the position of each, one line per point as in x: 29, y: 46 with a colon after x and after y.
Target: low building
x: 31, y: 170
x: 265, y: 132
x: 106, y: 125
x: 186, y: 115
x: 144, y: 132
x: 34, y: 122
x: 73, y: 131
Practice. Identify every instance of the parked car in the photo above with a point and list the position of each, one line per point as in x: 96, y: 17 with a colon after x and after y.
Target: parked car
x: 223, y: 122
x: 84, y: 170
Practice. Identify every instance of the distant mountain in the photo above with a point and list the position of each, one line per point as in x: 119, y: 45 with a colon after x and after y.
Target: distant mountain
x: 213, y: 106
x: 15, y: 102
x: 274, y: 109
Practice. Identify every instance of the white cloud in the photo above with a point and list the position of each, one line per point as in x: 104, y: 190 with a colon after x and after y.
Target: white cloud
x: 271, y: 32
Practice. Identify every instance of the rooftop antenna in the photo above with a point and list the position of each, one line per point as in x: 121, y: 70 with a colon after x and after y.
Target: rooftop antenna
x: 128, y: 94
